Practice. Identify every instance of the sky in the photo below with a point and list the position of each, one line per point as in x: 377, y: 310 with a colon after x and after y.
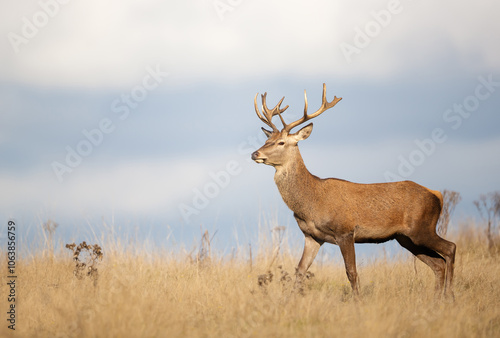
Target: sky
x: 138, y: 115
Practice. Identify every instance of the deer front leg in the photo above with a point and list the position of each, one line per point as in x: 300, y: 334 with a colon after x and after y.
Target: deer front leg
x: 346, y: 245
x: 311, y: 247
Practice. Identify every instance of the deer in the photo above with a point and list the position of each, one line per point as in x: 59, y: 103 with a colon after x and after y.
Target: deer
x: 340, y: 212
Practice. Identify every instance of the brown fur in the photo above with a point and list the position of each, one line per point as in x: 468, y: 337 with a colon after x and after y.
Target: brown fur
x: 343, y: 213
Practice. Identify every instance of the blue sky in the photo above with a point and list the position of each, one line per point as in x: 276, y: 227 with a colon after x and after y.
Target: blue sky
x: 141, y: 113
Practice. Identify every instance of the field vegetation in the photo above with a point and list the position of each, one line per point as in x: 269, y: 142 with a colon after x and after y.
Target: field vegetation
x: 127, y: 293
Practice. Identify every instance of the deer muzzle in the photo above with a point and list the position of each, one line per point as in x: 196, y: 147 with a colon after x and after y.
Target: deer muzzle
x: 257, y: 157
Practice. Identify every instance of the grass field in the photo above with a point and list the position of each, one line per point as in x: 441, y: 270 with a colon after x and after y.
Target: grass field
x: 167, y: 295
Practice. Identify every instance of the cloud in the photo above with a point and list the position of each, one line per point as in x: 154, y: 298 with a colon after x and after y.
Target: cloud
x: 128, y: 188
x: 96, y: 44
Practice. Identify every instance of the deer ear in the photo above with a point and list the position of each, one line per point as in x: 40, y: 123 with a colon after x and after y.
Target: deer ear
x: 267, y: 132
x: 303, y: 133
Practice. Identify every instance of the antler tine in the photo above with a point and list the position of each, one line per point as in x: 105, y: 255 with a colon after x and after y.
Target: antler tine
x: 259, y: 114
x: 325, y: 105
x: 276, y: 110
x: 305, y: 102
x: 280, y: 110
x: 268, y: 114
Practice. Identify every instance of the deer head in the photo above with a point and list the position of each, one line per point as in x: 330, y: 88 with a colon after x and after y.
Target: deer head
x: 281, y: 146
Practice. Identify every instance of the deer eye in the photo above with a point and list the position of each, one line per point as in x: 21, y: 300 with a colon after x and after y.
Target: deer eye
x: 281, y: 143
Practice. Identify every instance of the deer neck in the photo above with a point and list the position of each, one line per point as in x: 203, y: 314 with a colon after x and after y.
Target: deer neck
x: 295, y: 183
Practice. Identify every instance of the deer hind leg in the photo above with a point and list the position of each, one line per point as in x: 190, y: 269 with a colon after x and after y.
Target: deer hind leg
x: 346, y: 245
x: 447, y: 250
x: 429, y: 257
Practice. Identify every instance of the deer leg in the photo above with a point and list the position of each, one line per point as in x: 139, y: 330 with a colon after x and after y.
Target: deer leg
x: 450, y: 266
x: 429, y: 257
x: 346, y: 245
x: 447, y: 250
x: 311, y: 247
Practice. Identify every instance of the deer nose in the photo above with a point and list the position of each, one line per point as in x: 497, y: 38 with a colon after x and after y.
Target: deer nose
x: 255, y: 155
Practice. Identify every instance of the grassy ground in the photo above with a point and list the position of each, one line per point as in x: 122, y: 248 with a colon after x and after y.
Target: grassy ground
x: 161, y: 295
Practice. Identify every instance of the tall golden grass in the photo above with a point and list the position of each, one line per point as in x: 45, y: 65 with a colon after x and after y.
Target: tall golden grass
x: 163, y: 294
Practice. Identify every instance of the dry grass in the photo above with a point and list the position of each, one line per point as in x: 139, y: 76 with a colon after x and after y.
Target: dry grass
x: 162, y: 295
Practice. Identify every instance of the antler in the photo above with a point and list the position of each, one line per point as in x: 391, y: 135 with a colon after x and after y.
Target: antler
x: 325, y: 105
x: 268, y: 114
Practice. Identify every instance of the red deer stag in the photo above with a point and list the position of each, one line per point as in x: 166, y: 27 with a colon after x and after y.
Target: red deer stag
x: 340, y: 212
